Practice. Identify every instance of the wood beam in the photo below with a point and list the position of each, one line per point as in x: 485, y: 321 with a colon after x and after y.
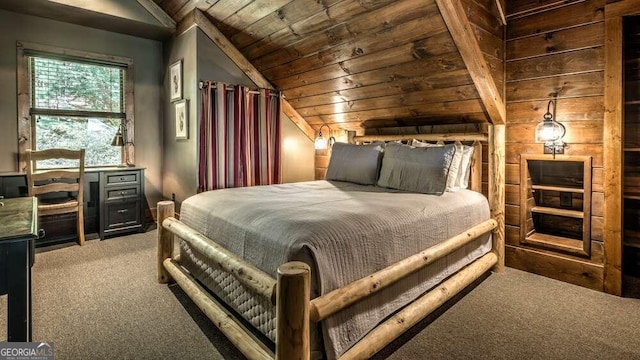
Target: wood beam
x: 460, y: 28
x: 157, y: 12
x: 297, y: 119
x: 202, y: 5
x: 612, y: 153
x: 502, y: 10
x: 200, y: 19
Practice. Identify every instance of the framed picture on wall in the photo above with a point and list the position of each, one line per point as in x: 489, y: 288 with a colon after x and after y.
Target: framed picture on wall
x: 182, y: 119
x: 175, y: 73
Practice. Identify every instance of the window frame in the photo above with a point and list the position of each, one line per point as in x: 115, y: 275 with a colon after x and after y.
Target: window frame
x: 26, y: 125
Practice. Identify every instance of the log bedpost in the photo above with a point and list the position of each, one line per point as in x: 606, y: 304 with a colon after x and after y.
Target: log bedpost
x: 165, y: 240
x: 496, y: 190
x: 292, y: 312
x: 476, y: 167
x: 351, y: 137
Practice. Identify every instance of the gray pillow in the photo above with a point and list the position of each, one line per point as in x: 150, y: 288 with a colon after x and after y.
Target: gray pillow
x: 422, y: 170
x: 358, y: 164
x: 453, y: 182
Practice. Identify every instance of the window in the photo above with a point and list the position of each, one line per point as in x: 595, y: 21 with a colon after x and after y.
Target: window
x: 75, y: 100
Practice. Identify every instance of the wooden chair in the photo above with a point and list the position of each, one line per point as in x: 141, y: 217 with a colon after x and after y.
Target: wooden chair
x: 57, y: 181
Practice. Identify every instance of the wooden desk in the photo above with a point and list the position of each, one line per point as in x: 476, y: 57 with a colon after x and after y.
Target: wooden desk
x: 114, y: 203
x: 18, y: 228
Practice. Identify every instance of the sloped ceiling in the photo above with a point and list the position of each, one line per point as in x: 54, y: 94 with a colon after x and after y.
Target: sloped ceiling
x: 353, y: 64
x: 123, y: 16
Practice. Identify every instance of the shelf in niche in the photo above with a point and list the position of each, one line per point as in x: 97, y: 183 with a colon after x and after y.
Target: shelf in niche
x: 632, y: 149
x: 557, y: 212
x: 556, y: 242
x: 545, y: 225
x: 558, y: 188
x: 632, y: 102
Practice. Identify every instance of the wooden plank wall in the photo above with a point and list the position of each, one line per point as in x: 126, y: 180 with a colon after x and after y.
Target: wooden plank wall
x: 484, y: 16
x: 322, y: 163
x: 555, y: 49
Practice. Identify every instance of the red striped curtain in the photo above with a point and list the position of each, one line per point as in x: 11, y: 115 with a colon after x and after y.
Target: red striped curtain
x: 239, y: 137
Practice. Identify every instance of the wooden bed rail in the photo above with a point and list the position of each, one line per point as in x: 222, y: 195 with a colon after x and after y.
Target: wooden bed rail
x: 336, y: 300
x: 423, y: 137
x: 389, y: 330
x: 253, y: 278
x: 231, y: 327
x: 294, y: 309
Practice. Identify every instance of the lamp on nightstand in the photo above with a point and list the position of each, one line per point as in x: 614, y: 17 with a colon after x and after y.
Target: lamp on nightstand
x: 551, y: 132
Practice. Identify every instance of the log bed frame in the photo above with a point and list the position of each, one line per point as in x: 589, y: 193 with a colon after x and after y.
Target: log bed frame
x: 290, y: 292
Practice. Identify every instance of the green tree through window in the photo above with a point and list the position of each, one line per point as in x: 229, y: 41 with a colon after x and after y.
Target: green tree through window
x: 77, y: 104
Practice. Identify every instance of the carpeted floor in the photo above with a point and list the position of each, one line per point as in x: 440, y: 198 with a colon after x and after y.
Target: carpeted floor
x: 102, y: 301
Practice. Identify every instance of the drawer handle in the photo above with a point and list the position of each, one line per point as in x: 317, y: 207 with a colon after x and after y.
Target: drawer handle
x: 122, y: 192
x: 122, y: 211
x: 121, y: 179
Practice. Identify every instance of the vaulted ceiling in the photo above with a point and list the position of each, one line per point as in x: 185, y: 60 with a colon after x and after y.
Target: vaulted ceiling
x: 367, y: 63
x: 351, y: 64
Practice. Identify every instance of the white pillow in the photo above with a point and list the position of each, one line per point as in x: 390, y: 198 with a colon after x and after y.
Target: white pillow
x: 453, y: 182
x: 465, y: 167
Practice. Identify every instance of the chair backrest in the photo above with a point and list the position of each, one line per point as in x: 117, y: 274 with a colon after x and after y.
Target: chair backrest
x: 53, y: 176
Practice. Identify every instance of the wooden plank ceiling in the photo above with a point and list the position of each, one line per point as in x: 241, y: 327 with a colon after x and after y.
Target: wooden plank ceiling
x: 353, y: 64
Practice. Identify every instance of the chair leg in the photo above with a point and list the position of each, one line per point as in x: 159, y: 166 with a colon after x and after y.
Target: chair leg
x: 81, y: 225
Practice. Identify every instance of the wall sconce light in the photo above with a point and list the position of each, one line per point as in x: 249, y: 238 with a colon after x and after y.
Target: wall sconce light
x: 321, y: 142
x: 551, y: 132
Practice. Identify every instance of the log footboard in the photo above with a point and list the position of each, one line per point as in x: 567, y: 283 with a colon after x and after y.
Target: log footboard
x: 291, y: 291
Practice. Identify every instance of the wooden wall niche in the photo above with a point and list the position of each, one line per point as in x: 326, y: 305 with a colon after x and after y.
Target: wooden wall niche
x: 555, y: 203
x: 555, y: 49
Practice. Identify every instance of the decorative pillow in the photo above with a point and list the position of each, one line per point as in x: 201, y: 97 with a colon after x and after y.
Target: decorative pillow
x: 358, y: 164
x: 418, y: 143
x: 422, y: 170
x: 465, y: 167
x: 453, y: 182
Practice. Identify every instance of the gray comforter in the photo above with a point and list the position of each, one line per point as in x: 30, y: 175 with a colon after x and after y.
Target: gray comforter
x: 345, y: 231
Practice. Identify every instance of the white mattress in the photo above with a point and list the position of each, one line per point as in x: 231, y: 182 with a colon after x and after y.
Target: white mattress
x: 344, y: 231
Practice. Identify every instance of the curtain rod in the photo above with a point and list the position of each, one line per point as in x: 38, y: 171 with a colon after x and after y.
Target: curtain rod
x: 201, y: 86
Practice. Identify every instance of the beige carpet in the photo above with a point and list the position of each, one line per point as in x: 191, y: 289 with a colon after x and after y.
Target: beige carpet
x: 102, y: 301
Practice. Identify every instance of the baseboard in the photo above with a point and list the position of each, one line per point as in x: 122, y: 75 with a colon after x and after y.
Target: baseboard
x: 578, y: 272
